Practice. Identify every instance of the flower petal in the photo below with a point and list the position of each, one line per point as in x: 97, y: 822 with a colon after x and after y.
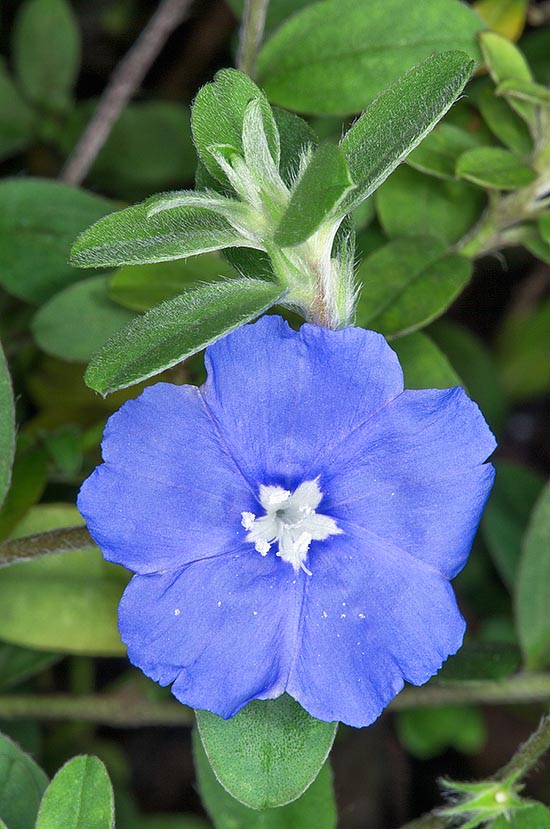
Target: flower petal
x: 282, y: 398
x: 168, y: 492
x: 415, y: 476
x: 222, y: 630
x: 372, y: 618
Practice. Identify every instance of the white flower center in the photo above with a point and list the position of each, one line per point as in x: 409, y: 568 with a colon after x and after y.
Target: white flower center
x: 291, y: 521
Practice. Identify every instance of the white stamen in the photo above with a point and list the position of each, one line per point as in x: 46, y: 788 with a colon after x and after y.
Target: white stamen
x: 290, y: 520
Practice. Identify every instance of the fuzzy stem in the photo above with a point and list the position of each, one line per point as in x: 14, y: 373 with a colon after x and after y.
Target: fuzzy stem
x: 528, y: 754
x: 252, y: 31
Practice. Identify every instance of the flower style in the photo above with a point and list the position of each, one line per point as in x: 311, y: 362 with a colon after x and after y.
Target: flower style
x: 293, y: 524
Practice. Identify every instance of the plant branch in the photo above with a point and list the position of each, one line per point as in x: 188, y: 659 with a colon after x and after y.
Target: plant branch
x: 123, y: 83
x: 124, y: 710
x: 43, y: 544
x: 528, y: 754
x: 252, y: 31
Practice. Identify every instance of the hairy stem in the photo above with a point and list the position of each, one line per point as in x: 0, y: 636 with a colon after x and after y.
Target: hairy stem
x: 252, y: 31
x: 44, y: 544
x: 122, y: 85
x: 128, y: 710
x: 528, y: 754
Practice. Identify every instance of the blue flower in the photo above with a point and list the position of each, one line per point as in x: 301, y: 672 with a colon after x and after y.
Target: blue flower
x: 293, y: 524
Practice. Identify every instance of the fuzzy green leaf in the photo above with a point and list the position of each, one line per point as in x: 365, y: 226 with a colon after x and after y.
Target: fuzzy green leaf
x: 80, y: 796
x: 397, y: 121
x: 335, y: 56
x: 7, y: 427
x: 218, y: 113
x: 177, y: 328
x: 269, y: 753
x: 321, y: 188
x: 130, y: 237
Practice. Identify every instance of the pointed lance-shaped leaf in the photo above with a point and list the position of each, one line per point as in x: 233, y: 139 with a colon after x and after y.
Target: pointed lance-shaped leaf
x: 397, y: 121
x: 132, y: 237
x: 177, y: 328
x: 324, y: 183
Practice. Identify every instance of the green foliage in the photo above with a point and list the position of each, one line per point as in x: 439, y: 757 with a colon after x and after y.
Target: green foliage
x: 533, y: 587
x: 65, y: 602
x: 409, y: 203
x: 494, y: 167
x: 39, y: 220
x: 28, y: 481
x: 47, y: 52
x: 80, y: 796
x: 319, y: 191
x: 506, y: 63
x: 16, y: 117
x: 424, y: 365
x: 439, y: 151
x: 140, y: 287
x: 335, y: 56
x: 18, y: 664
x: 177, y: 328
x: 408, y: 283
x: 504, y: 123
x: 7, y: 427
x: 269, y: 753
x: 523, y: 351
x: 58, y: 329
x: 315, y: 807
x: 132, y: 237
x: 21, y: 785
x: 218, y: 116
x: 427, y: 732
x: 400, y: 118
x: 536, y: 816
x: 514, y: 494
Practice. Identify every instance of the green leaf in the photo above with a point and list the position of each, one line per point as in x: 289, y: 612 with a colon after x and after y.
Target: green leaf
x: 532, y: 93
x: 336, y: 56
x: 65, y: 602
x: 504, y: 123
x: 533, y: 587
x: 524, y: 351
x: 544, y: 226
x: 504, y: 60
x: 512, y: 499
x: 16, y: 118
x: 480, y: 660
x: 408, y: 283
x: 400, y: 118
x: 424, y: 365
x: 140, y: 287
x: 57, y: 327
x: 475, y: 365
x: 21, y: 785
x: 315, y: 807
x: 494, y: 167
x: 80, y: 796
x: 28, y: 480
x: 218, y: 113
x: 269, y: 753
x: 47, y: 52
x: 438, y: 152
x: 533, y: 817
x: 296, y: 136
x: 177, y: 328
x: 18, y: 664
x: 321, y: 188
x: 7, y: 427
x: 412, y: 204
x: 130, y: 237
x: 428, y: 732
x: 150, y: 148
x: 506, y: 63
x: 39, y: 220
